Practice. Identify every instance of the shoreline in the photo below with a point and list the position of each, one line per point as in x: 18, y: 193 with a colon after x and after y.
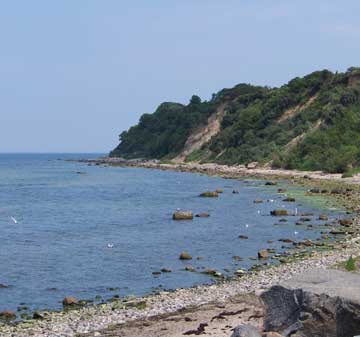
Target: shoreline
x: 223, y: 170
x: 98, y: 317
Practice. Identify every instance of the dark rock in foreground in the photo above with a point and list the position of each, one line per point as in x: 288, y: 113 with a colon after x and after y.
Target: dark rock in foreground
x: 322, y: 303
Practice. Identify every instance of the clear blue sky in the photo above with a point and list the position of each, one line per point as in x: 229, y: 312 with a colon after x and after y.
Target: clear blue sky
x: 74, y: 74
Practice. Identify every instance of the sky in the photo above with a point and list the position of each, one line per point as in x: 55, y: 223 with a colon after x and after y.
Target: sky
x: 75, y: 74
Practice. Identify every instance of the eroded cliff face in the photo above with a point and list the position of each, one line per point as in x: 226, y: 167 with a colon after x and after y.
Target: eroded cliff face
x: 203, y: 134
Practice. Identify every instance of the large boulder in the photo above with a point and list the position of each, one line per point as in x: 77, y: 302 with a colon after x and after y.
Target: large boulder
x: 322, y: 303
x: 245, y: 331
x: 279, y: 212
x: 183, y: 215
x: 263, y: 254
x: 185, y: 256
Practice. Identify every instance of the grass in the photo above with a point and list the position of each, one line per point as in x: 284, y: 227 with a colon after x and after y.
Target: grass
x: 350, y: 264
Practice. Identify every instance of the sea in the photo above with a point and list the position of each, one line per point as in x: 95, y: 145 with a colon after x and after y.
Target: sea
x: 94, y: 232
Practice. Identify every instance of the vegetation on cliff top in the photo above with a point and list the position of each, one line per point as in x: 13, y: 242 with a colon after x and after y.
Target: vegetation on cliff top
x: 311, y: 123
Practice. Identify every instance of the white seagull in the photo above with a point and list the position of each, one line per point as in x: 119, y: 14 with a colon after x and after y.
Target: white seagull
x: 296, y: 233
x: 13, y: 219
x: 246, y: 225
x: 110, y: 245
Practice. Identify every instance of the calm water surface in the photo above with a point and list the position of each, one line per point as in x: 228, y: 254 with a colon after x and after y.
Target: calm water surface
x: 65, y: 221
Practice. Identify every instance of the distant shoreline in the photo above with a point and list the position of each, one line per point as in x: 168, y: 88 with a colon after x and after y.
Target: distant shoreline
x: 235, y: 171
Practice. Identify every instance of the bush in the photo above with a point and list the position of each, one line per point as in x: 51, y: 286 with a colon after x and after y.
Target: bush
x: 347, y: 175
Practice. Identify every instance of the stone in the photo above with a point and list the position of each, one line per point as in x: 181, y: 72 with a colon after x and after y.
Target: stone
x: 279, y: 212
x: 281, y: 190
x: 258, y: 201
x: 323, y: 217
x: 345, y: 222
x: 7, y: 315
x: 185, y: 256
x: 165, y: 270
x: 181, y: 215
x: 37, y: 315
x: 3, y: 286
x: 219, y: 191
x: 245, y: 331
x: 243, y: 237
x: 212, y: 272
x: 190, y: 268
x: 202, y: 215
x: 271, y: 183
x: 252, y: 165
x: 307, y: 214
x: 69, y: 301
x: 240, y: 272
x: 263, y: 254
x: 209, y: 194
x: 235, y: 192
x: 289, y: 199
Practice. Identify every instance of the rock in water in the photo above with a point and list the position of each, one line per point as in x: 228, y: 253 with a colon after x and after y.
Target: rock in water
x: 245, y: 331
x: 263, y: 254
x: 7, y: 315
x: 185, y: 256
x: 183, y: 216
x: 70, y: 301
x: 279, y: 212
x: 202, y: 215
x: 289, y: 199
x: 209, y: 194
x: 271, y: 183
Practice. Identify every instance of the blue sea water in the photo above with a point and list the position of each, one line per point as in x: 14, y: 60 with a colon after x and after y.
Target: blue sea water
x: 65, y: 221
